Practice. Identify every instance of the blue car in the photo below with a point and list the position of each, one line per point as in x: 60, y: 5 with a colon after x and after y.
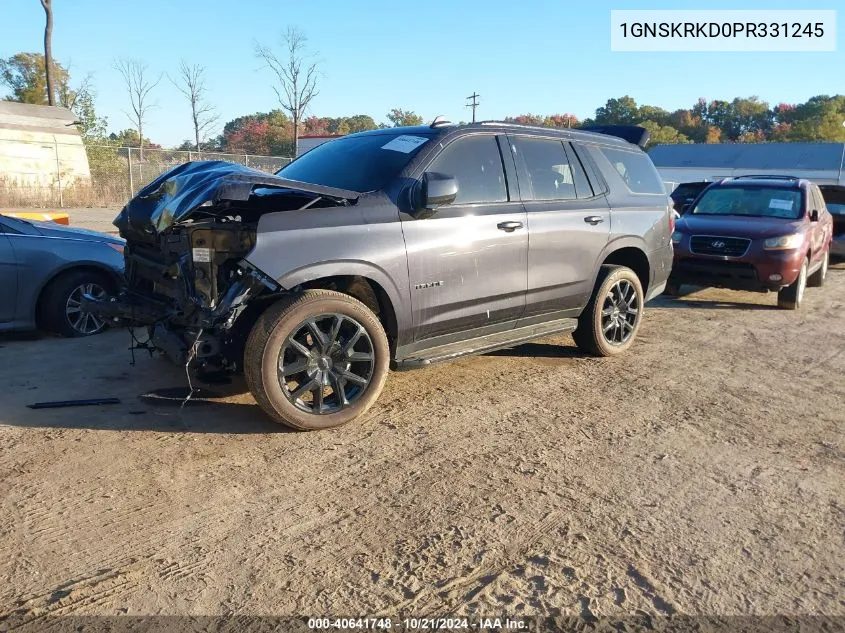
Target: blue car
x: 46, y: 268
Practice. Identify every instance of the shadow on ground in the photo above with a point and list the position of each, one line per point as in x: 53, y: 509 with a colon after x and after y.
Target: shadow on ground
x: 539, y: 350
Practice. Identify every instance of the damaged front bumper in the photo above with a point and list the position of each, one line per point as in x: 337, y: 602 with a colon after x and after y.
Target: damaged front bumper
x: 187, y: 328
x: 188, y: 235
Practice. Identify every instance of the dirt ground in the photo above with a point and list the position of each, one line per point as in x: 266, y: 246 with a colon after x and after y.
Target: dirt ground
x: 701, y: 473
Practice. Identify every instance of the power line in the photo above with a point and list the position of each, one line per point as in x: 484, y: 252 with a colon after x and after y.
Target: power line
x: 473, y: 104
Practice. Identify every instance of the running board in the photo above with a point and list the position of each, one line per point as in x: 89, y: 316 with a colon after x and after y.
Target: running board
x: 483, y: 344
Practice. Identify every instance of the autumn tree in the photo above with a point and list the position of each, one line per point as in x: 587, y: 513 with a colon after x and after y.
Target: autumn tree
x: 191, y: 83
x: 139, y: 84
x: 565, y: 120
x: 263, y: 133
x: 296, y: 74
x: 526, y: 119
x: 663, y: 134
x: 400, y: 118
x: 25, y: 75
x: 621, y: 111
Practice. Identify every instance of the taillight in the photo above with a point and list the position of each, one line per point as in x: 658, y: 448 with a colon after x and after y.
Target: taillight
x: 671, y: 219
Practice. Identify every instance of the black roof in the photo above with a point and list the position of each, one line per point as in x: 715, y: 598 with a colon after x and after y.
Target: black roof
x: 499, y: 126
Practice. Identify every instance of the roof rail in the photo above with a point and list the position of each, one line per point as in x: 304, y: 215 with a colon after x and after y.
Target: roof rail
x: 764, y: 177
x: 631, y: 133
x: 524, y: 125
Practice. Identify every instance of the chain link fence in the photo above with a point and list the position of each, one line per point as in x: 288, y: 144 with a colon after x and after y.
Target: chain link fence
x: 53, y: 174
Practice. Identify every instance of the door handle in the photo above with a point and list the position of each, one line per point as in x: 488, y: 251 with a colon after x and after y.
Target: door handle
x: 594, y: 219
x: 509, y: 227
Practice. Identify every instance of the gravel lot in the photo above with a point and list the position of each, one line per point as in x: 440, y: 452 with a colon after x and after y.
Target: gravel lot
x: 701, y: 473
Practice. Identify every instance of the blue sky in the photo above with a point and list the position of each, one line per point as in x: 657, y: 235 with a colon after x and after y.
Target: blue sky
x: 530, y: 56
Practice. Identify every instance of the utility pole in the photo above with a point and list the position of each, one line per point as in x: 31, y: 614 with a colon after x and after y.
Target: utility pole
x: 474, y: 103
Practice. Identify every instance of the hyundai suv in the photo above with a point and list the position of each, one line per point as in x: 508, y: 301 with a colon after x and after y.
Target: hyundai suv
x: 759, y: 233
x: 394, y: 248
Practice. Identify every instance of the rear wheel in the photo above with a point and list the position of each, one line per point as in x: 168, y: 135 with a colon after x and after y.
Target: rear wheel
x: 317, y: 360
x: 791, y: 297
x: 816, y: 280
x: 610, y: 322
x: 61, y: 303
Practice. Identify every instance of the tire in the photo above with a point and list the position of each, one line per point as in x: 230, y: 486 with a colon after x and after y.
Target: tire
x: 592, y: 335
x: 59, y: 311
x: 282, y: 336
x: 817, y: 279
x: 791, y: 297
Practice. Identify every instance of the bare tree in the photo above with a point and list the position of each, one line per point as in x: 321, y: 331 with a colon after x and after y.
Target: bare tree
x: 48, y: 50
x: 296, y: 75
x: 191, y: 83
x: 139, y: 85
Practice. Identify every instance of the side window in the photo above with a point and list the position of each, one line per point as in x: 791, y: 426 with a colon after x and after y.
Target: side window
x: 476, y: 164
x: 636, y: 169
x: 582, y: 184
x: 596, y: 180
x: 547, y: 167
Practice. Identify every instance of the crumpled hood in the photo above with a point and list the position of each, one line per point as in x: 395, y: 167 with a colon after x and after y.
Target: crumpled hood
x: 175, y: 194
x: 736, y: 226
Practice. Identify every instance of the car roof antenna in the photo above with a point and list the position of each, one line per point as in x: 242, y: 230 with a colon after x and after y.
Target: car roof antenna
x: 440, y: 121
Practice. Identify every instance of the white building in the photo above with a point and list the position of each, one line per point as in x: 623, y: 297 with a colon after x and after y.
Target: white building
x: 40, y: 146
x: 820, y: 162
x: 310, y: 141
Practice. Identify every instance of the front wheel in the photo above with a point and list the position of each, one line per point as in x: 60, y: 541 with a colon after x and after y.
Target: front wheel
x: 611, y: 319
x: 316, y: 360
x: 61, y: 303
x: 817, y: 279
x: 791, y: 297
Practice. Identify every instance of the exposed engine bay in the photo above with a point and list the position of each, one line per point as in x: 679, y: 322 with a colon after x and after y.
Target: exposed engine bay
x: 188, y: 283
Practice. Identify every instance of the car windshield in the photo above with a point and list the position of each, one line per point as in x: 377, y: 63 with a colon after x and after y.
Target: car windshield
x: 763, y: 202
x: 836, y: 208
x: 357, y: 163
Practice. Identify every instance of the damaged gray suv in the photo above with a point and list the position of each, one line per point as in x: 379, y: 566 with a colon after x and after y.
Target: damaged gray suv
x: 394, y: 248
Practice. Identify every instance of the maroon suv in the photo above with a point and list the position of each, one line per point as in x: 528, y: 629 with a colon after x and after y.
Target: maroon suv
x: 756, y: 233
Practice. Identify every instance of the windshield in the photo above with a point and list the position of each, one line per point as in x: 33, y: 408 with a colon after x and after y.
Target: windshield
x: 358, y: 163
x: 762, y: 202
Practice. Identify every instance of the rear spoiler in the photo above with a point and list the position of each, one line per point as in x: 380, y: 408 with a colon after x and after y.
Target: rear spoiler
x: 631, y: 133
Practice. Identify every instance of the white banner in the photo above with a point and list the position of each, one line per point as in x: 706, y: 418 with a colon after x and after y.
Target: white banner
x: 722, y: 30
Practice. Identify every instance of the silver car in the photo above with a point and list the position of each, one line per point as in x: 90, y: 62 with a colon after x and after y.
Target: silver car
x: 46, y: 268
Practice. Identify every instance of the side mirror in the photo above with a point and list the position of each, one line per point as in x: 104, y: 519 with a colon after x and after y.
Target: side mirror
x: 437, y: 190
x: 814, y: 215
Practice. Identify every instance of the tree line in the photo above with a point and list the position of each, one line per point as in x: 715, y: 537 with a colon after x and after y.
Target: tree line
x: 741, y: 120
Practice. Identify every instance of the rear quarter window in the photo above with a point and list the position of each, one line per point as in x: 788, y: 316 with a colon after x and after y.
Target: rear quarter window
x: 635, y: 169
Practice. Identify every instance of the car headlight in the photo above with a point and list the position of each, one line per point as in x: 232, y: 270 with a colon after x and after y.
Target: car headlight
x: 676, y: 237
x: 784, y: 242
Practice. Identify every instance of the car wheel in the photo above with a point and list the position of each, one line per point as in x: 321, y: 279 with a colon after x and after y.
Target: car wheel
x: 609, y: 323
x: 790, y: 298
x: 317, y: 360
x: 61, y: 303
x: 816, y: 280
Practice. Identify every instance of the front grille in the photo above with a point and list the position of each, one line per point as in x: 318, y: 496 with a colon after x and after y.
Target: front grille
x: 715, y: 245
x: 716, y: 269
